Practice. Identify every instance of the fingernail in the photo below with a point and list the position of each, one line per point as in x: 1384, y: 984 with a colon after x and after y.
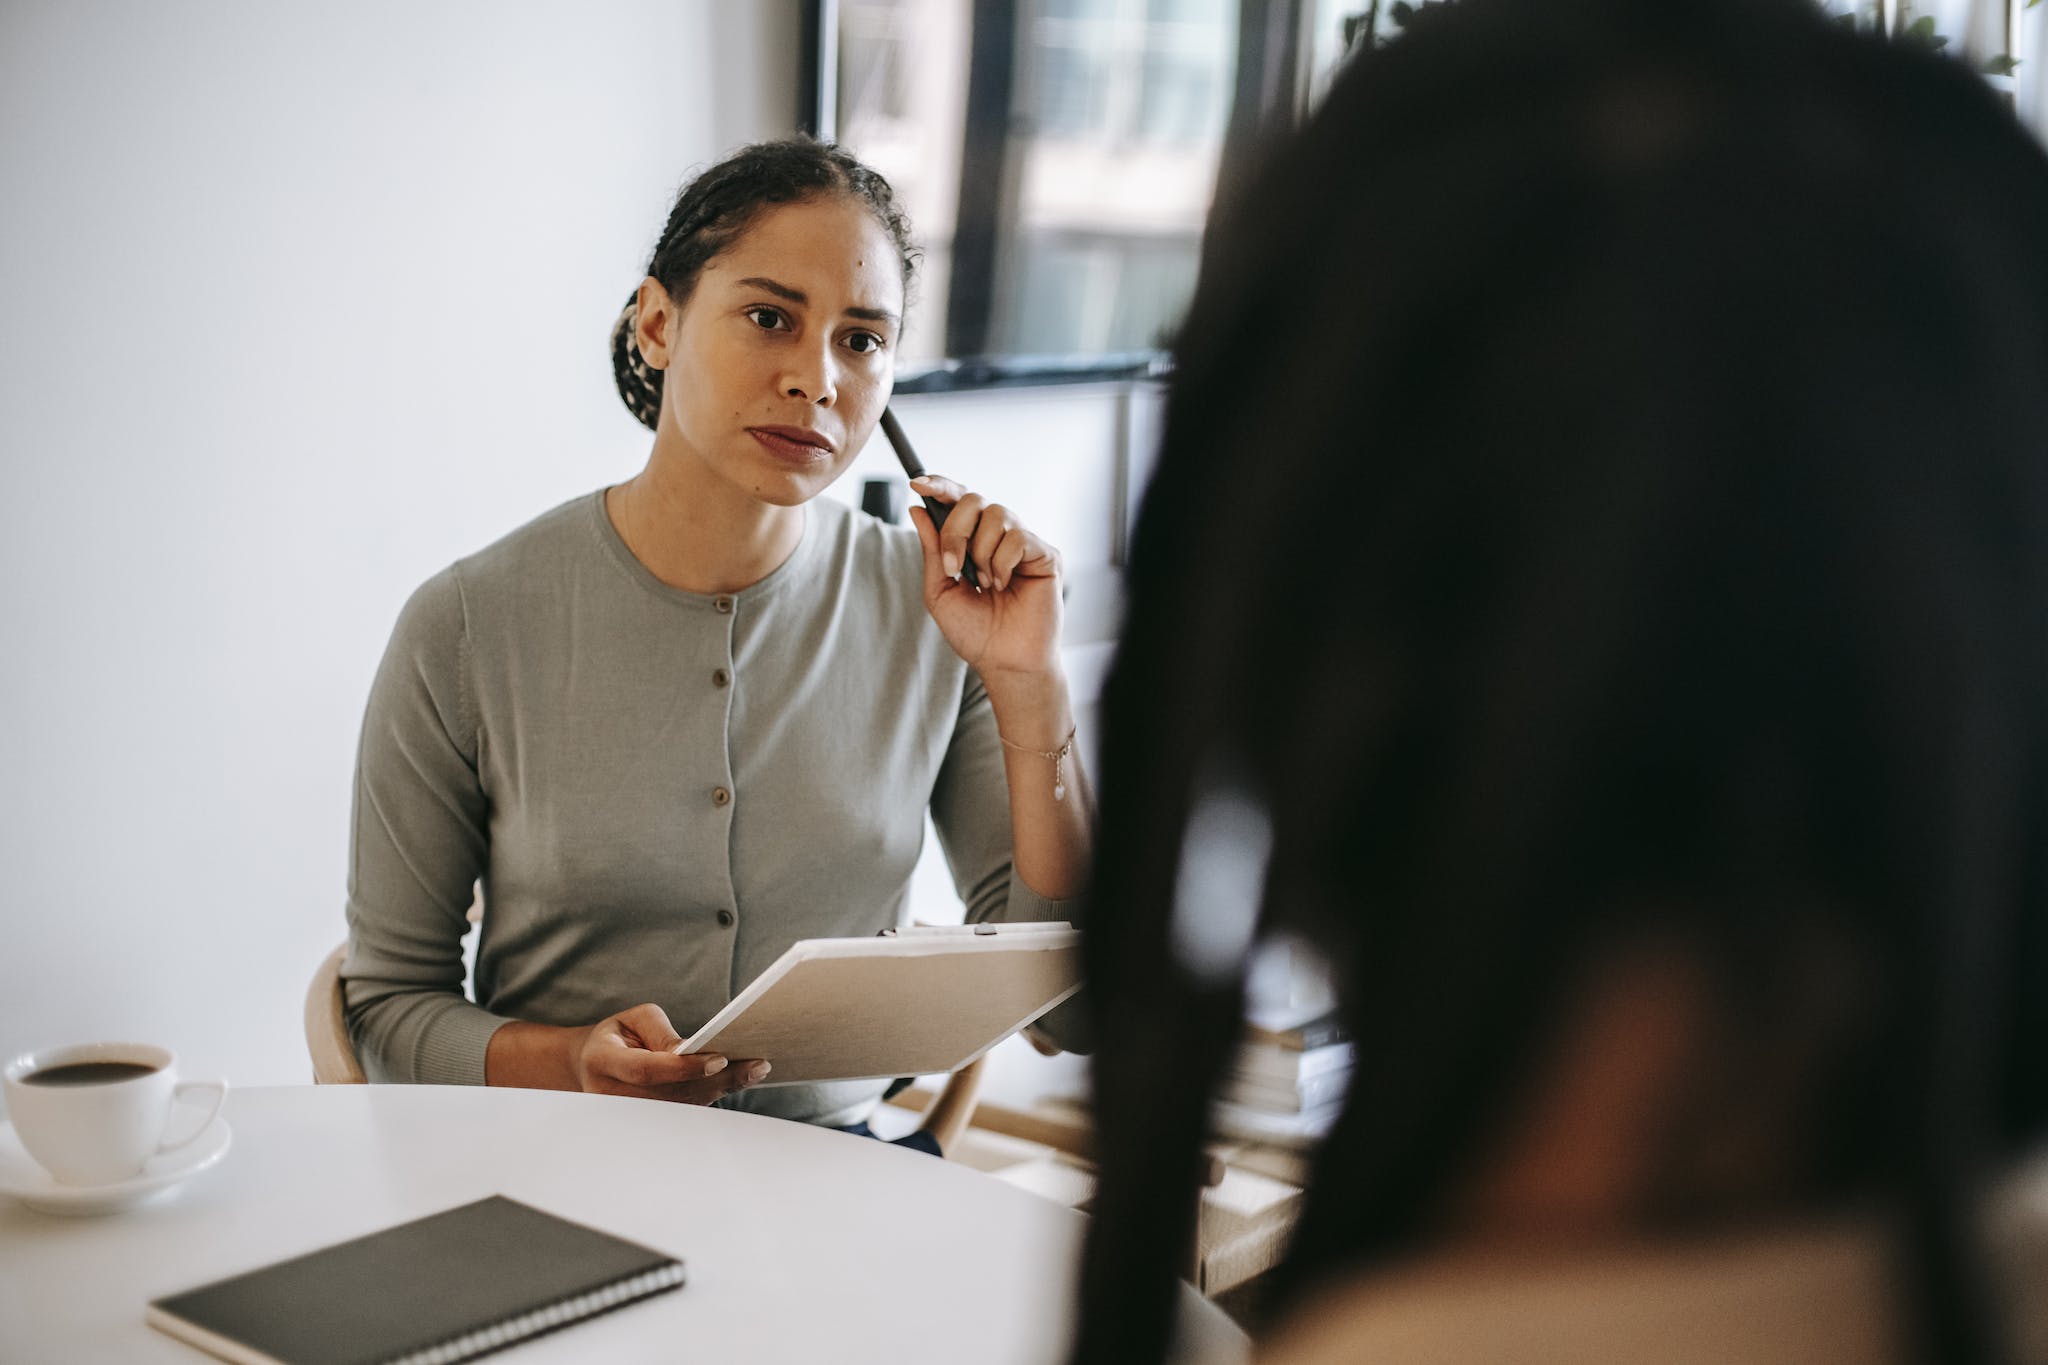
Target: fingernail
x: 758, y: 1071
x: 714, y: 1065
x: 951, y: 562
x: 922, y: 478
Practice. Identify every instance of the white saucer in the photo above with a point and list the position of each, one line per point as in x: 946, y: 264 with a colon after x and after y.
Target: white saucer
x: 23, y: 1179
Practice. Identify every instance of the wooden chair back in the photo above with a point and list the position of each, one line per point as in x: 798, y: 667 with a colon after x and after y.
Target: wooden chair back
x: 334, y: 1056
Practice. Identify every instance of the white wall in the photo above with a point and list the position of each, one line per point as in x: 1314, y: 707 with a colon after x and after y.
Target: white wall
x: 298, y: 304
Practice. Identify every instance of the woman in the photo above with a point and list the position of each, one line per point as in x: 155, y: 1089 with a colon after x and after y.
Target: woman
x: 1594, y: 587
x: 678, y: 724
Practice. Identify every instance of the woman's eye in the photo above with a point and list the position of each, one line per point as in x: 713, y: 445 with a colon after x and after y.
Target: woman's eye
x: 864, y: 343
x: 768, y: 319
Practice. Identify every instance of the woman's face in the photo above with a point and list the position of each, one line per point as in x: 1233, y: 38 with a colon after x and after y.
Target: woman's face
x: 782, y: 359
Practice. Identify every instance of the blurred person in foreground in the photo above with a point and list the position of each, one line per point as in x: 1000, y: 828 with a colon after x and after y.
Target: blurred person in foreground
x: 1595, y: 590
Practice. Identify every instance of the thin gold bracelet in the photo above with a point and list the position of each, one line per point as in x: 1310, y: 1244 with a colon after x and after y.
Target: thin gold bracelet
x: 1058, y: 756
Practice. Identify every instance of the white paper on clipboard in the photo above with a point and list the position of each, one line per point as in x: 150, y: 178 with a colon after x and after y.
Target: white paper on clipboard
x: 914, y: 1003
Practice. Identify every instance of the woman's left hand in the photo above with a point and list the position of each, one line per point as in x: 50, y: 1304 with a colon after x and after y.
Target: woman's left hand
x: 1011, y: 623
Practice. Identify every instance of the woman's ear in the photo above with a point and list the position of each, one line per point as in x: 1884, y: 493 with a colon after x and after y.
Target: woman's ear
x: 1585, y: 1148
x: 654, y: 323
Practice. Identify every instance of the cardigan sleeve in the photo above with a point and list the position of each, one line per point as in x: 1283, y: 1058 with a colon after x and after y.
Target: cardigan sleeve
x: 971, y: 812
x: 418, y: 842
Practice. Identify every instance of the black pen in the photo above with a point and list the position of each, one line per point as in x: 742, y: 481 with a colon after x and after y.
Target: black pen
x: 907, y: 457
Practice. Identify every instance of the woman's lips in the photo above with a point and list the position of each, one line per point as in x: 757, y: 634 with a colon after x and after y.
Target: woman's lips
x: 791, y: 445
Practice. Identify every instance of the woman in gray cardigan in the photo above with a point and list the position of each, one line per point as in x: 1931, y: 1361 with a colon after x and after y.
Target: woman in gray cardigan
x: 677, y: 724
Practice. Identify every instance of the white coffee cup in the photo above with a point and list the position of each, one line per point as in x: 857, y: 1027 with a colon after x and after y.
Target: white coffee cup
x: 94, y: 1113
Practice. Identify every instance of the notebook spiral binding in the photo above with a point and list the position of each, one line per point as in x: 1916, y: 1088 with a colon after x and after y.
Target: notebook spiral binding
x: 496, y: 1337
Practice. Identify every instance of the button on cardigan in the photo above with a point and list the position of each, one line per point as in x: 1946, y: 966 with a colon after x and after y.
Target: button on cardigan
x: 660, y: 791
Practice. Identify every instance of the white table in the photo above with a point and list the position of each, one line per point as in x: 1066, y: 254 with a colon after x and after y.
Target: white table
x: 803, y: 1245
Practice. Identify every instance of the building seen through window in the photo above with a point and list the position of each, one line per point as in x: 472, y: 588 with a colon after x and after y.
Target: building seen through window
x: 1058, y: 165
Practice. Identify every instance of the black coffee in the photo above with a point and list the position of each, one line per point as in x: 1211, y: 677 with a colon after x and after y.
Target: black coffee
x: 87, y: 1073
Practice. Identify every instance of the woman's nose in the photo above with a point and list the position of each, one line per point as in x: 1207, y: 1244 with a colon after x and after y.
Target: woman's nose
x: 811, y: 379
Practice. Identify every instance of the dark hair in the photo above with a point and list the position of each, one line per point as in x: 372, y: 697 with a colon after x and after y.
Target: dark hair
x: 1605, y: 476
x: 719, y: 204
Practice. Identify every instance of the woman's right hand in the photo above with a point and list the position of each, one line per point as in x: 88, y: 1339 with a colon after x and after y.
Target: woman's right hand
x: 634, y: 1053
x: 631, y: 1053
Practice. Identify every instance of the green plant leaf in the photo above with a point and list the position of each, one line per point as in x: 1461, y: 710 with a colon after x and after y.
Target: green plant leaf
x: 1921, y: 31
x: 2001, y: 65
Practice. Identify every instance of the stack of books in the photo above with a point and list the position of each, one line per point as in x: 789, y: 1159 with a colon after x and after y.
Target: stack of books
x: 1288, y: 1079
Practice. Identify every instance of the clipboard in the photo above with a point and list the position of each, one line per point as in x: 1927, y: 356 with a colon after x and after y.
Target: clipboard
x: 908, y: 1002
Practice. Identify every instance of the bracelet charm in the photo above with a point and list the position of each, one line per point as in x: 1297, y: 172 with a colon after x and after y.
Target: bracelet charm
x: 1058, y: 756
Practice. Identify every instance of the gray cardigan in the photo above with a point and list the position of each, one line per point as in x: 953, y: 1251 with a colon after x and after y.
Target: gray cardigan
x: 660, y: 791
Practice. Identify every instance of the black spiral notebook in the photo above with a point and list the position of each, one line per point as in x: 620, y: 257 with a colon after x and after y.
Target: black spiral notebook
x: 451, y: 1286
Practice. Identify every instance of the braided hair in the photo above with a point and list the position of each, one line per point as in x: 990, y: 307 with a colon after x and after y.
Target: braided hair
x: 717, y: 206
x: 1683, y: 370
